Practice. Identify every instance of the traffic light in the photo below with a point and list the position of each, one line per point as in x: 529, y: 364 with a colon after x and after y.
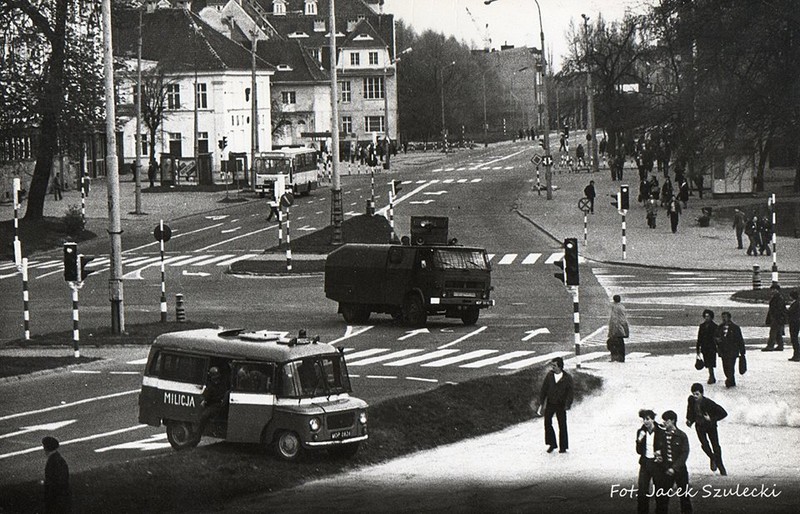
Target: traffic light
x: 396, y: 187
x: 561, y: 271
x: 83, y: 261
x: 571, y: 260
x: 624, y: 203
x: 223, y: 142
x: 71, y: 262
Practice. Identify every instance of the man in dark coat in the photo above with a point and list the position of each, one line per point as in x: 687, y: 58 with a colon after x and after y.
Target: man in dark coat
x: 738, y: 225
x: 704, y: 414
x: 765, y: 235
x: 673, y: 450
x: 56, y: 478
x: 730, y: 346
x: 591, y: 194
x: 776, y: 319
x: 556, y: 396
x: 753, y: 236
x: 793, y: 317
x: 648, y: 438
x: 706, y: 347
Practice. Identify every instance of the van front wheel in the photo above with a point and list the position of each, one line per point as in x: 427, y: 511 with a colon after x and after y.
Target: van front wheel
x: 182, y: 435
x: 288, y: 446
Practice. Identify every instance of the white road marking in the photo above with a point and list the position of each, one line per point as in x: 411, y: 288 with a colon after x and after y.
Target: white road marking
x: 476, y: 332
x: 533, y: 360
x: 494, y: 360
x: 531, y: 258
x: 508, y: 258
x: 386, y: 357
x: 421, y: 358
x: 78, y: 440
x: 66, y: 405
x: 459, y: 358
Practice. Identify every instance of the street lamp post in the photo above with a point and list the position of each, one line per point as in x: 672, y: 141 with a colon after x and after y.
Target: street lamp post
x: 388, y: 139
x: 590, y: 102
x: 337, y: 212
x: 548, y: 175
x: 485, y: 125
x: 441, y: 90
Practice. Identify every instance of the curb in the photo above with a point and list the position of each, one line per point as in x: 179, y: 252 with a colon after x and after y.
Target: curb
x: 43, y: 372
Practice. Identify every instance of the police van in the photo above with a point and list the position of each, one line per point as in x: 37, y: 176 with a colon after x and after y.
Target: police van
x: 290, y: 394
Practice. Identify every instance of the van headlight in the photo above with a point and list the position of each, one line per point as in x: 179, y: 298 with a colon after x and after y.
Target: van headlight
x: 314, y: 424
x: 362, y: 417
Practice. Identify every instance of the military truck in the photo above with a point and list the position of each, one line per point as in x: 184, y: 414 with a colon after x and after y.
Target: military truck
x: 424, y: 275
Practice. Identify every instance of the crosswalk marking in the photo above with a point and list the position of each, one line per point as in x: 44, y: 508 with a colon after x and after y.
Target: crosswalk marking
x: 210, y: 260
x: 508, y: 258
x: 554, y: 257
x: 235, y: 259
x: 364, y: 353
x: 190, y: 260
x: 494, y: 360
x: 459, y: 358
x: 531, y: 258
x: 533, y: 360
x: 381, y: 358
x: 421, y: 358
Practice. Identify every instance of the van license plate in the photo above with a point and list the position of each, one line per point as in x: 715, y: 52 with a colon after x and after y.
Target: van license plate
x: 340, y: 434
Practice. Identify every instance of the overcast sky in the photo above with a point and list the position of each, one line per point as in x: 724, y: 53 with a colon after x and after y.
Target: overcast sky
x: 513, y: 21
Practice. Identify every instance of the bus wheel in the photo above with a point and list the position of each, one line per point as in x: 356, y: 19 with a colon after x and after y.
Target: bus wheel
x: 414, y: 311
x: 470, y: 315
x: 182, y: 435
x: 288, y: 446
x: 354, y: 313
x: 343, y: 451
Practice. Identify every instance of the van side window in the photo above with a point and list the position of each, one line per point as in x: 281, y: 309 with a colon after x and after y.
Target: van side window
x: 253, y: 377
x: 182, y: 368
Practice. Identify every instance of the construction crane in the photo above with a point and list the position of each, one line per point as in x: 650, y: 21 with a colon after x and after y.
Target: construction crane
x: 487, y: 41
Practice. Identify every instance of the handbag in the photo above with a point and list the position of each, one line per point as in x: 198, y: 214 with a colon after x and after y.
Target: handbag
x: 699, y: 364
x: 742, y: 365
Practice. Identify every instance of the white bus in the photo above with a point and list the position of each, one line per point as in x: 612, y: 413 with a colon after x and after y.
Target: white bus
x: 285, y: 170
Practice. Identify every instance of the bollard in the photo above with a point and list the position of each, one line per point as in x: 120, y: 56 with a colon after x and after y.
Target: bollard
x: 180, y: 309
x: 370, y: 207
x: 756, y: 277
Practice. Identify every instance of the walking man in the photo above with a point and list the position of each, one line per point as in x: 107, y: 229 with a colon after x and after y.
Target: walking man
x: 648, y: 437
x: 674, y: 211
x: 706, y: 347
x: 793, y: 317
x: 590, y: 193
x: 57, y: 187
x: 753, y: 236
x: 56, y: 478
x: 674, y: 448
x: 738, y: 226
x: 704, y: 414
x: 776, y: 319
x: 730, y: 346
x: 617, y: 330
x: 556, y: 396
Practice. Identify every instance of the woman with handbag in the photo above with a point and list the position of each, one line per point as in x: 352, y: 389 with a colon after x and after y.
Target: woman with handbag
x: 706, y: 347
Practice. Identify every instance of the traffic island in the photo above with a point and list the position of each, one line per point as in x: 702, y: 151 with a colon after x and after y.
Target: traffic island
x: 309, y: 251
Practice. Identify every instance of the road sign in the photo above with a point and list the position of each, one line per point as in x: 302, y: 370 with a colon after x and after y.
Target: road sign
x: 584, y: 204
x: 162, y: 236
x: 547, y: 160
x: 536, y: 159
x: 287, y: 199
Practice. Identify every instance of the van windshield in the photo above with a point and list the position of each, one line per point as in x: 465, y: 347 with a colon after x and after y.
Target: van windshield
x: 459, y: 259
x: 314, y: 376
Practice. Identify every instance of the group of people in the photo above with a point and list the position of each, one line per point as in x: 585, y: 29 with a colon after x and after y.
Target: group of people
x: 664, y: 449
x: 665, y: 196
x: 758, y: 230
x: 725, y: 340
x: 778, y: 316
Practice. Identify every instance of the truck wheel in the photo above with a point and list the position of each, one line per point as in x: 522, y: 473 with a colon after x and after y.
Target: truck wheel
x: 343, y: 451
x: 470, y: 316
x: 353, y: 313
x: 288, y: 446
x: 182, y: 435
x: 414, y: 311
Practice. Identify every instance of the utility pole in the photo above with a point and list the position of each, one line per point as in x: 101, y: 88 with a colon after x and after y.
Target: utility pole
x: 112, y: 177
x: 590, y: 101
x: 254, y: 107
x: 138, y: 171
x: 337, y: 214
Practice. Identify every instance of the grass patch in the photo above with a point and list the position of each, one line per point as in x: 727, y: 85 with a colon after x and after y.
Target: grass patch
x: 224, y: 472
x: 760, y: 295
x: 13, y: 366
x: 142, y: 334
x: 40, y: 235
x: 358, y: 229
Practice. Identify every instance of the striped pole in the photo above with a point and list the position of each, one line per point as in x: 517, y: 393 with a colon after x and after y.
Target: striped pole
x: 774, y: 242
x: 163, y: 277
x: 26, y: 316
x: 372, y: 184
x: 76, y: 331
x: 576, y: 319
x: 288, y: 243
x: 391, y: 210
x: 624, y: 240
x: 585, y: 227
x: 756, y: 277
x: 538, y: 183
x: 17, y: 243
x: 280, y: 226
x: 83, y: 196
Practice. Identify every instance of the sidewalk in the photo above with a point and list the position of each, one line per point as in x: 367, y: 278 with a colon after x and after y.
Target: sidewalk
x: 692, y: 247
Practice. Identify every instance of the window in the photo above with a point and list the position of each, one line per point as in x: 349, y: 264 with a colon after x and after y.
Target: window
x: 145, y: 145
x: 347, y: 124
x: 253, y: 377
x: 344, y: 88
x: 288, y: 97
x: 247, y: 94
x: 175, y: 147
x: 373, y: 87
x: 315, y: 53
x: 173, y: 96
x: 181, y: 368
x: 373, y: 123
x: 314, y: 376
x: 311, y: 7
x: 279, y: 7
x: 202, y: 142
x: 351, y: 24
x: 319, y: 25
x: 202, y: 95
x: 373, y: 58
x: 355, y: 59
